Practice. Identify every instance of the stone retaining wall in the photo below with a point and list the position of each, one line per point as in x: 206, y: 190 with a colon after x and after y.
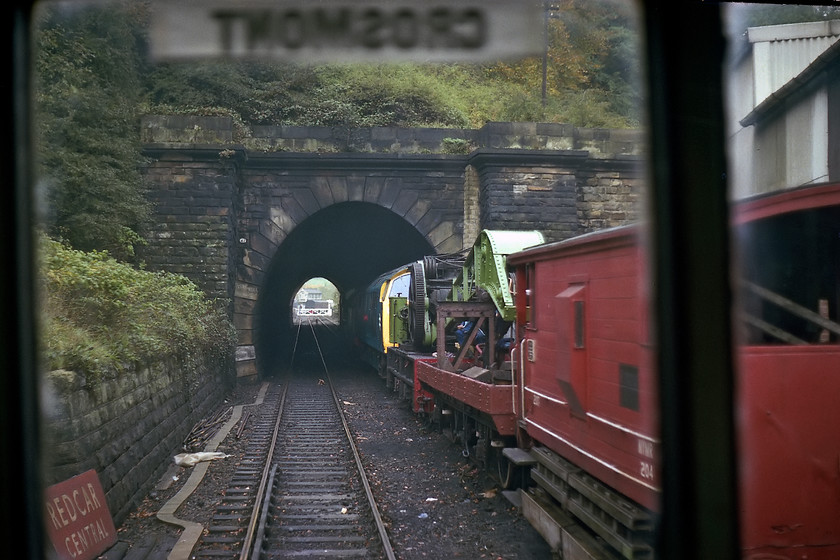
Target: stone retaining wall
x: 127, y: 426
x: 561, y: 193
x: 181, y: 129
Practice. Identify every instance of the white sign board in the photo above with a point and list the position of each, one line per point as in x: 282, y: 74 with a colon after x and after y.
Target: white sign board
x: 353, y: 30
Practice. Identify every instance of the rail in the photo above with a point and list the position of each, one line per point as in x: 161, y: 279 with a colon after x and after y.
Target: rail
x: 380, y: 525
x: 308, y: 424
x: 264, y: 486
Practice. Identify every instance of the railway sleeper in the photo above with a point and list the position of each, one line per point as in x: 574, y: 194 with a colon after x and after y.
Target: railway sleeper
x: 626, y: 527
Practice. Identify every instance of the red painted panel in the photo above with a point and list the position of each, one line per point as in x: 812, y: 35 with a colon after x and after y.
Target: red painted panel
x: 572, y: 364
x: 423, y: 400
x: 619, y: 458
x: 616, y: 351
x: 615, y: 287
x: 606, y: 404
x: 615, y: 330
x: 78, y: 520
x: 615, y: 443
x: 789, y: 450
x: 801, y: 198
x: 604, y: 308
x: 494, y: 400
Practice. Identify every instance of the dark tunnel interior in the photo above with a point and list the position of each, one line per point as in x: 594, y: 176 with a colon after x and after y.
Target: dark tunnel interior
x: 349, y: 244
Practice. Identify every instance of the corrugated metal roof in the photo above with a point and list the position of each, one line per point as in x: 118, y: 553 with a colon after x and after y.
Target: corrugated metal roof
x: 797, y: 85
x: 783, y: 52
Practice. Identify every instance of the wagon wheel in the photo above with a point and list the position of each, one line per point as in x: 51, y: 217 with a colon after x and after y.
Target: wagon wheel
x: 417, y: 306
x: 506, y: 471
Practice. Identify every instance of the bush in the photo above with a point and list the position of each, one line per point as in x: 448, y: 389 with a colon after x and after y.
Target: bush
x: 86, y: 90
x: 101, y: 315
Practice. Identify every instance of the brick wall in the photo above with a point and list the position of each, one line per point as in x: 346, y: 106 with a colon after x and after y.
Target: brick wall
x: 170, y: 130
x: 533, y: 193
x: 472, y: 205
x: 557, y: 178
x: 561, y: 193
x: 611, y: 196
x: 194, y: 193
x: 126, y: 426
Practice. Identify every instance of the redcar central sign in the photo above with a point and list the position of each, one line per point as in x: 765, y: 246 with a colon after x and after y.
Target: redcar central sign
x: 78, y: 520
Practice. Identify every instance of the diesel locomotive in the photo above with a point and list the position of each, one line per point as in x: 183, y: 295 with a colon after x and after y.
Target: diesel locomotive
x: 559, y: 398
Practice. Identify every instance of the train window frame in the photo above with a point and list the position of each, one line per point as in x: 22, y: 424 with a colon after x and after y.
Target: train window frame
x: 628, y: 387
x: 689, y: 232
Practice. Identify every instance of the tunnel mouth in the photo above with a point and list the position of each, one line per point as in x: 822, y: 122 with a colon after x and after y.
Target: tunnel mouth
x: 320, y: 345
x: 348, y: 244
x: 319, y: 349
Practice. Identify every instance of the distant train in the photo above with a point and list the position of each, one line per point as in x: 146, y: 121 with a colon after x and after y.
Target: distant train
x: 560, y: 397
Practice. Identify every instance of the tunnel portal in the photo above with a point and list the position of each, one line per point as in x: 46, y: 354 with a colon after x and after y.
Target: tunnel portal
x: 250, y: 223
x: 349, y: 244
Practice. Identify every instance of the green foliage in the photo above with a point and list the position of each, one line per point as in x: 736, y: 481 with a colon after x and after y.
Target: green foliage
x: 456, y: 146
x: 87, y: 89
x: 331, y: 95
x: 592, y: 47
x: 253, y: 92
x: 387, y: 95
x: 100, y: 315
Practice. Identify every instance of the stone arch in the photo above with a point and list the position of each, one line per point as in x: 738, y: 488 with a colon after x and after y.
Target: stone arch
x: 348, y: 243
x: 224, y: 214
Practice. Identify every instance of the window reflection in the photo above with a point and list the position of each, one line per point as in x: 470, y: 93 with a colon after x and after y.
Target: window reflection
x: 587, y: 77
x: 785, y: 188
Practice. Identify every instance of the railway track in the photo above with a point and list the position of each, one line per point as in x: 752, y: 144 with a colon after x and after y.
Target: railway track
x: 301, y: 490
x: 227, y: 532
x: 321, y: 505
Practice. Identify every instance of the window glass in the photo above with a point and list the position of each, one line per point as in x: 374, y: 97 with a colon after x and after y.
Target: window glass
x: 784, y: 185
x: 195, y: 195
x: 399, y: 287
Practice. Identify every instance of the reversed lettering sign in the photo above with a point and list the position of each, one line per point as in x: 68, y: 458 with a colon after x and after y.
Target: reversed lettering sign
x: 357, y: 30
x: 78, y: 520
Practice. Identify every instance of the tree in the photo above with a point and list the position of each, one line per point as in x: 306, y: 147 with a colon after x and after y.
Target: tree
x: 87, y: 125
x: 591, y: 56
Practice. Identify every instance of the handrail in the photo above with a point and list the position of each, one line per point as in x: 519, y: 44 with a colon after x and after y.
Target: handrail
x: 772, y: 330
x: 790, y: 306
